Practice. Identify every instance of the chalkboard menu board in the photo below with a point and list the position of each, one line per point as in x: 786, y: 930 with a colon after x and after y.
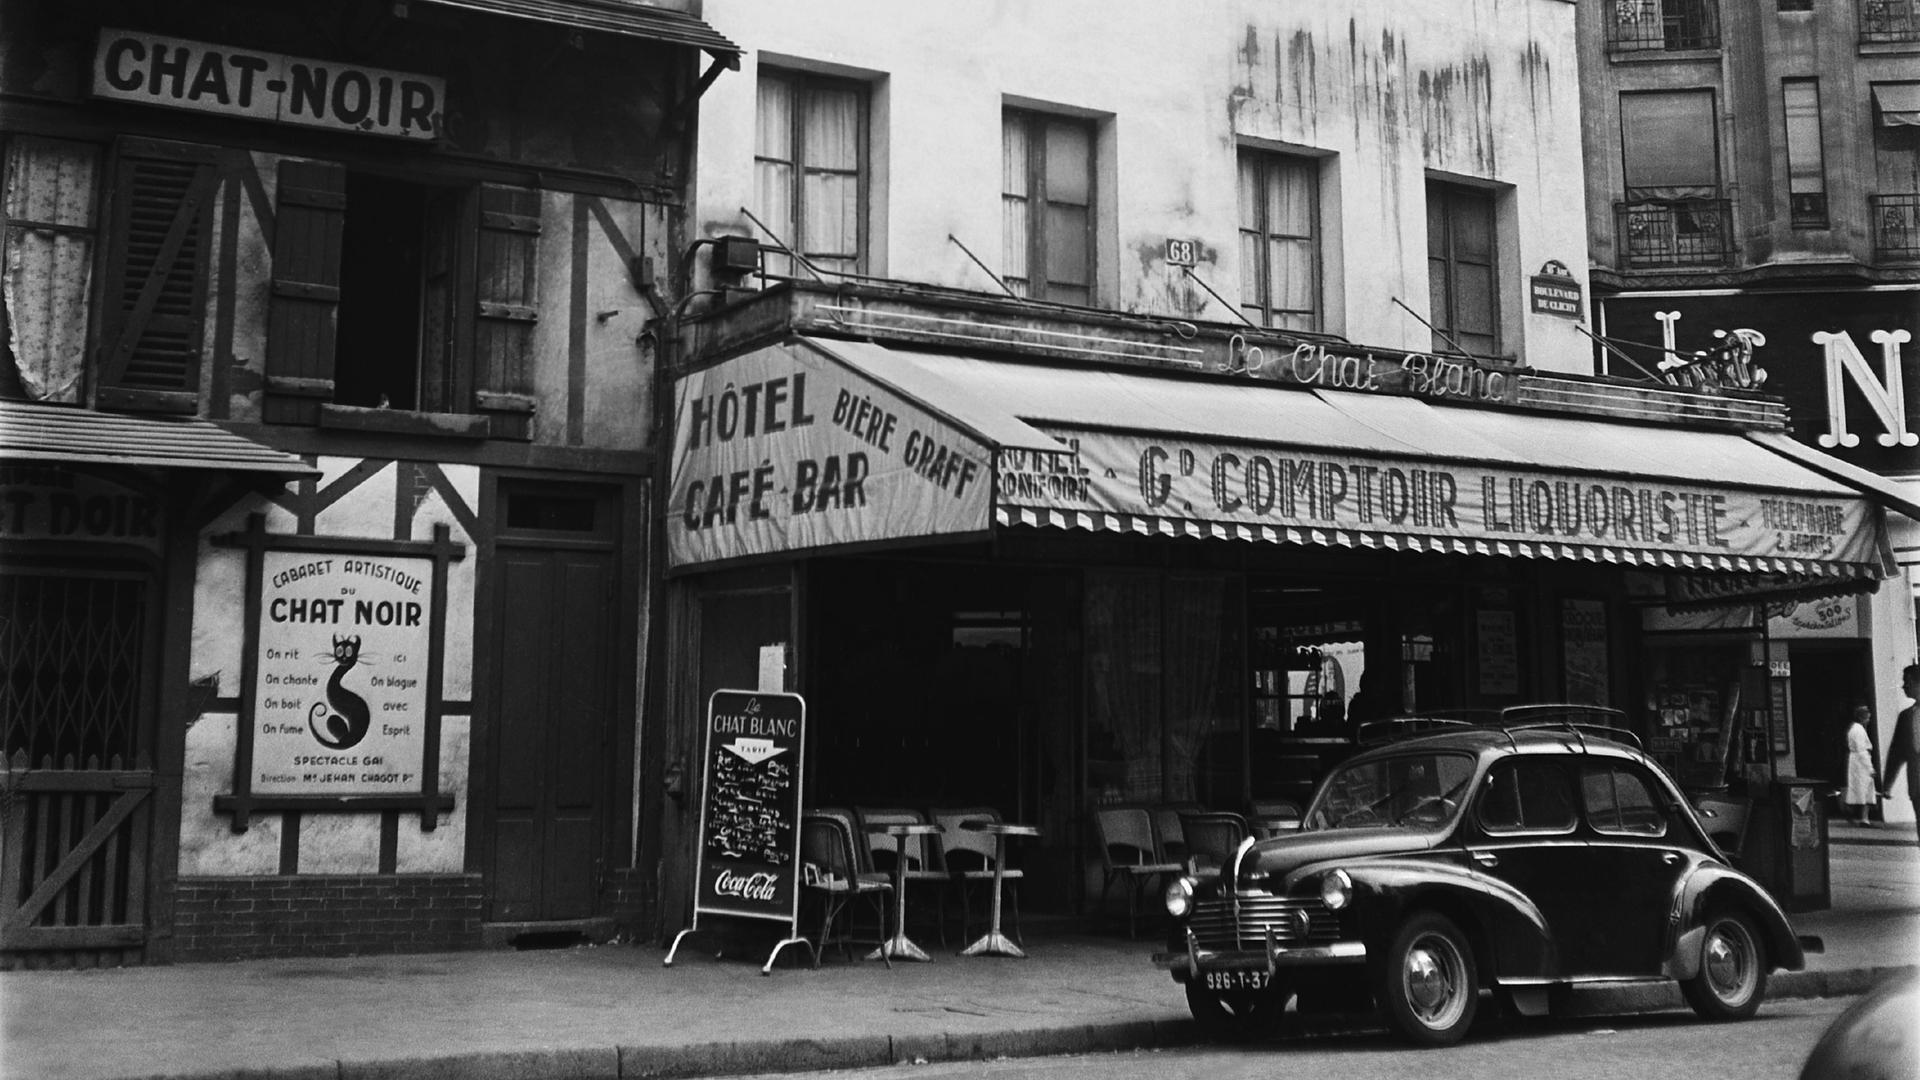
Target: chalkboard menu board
x: 750, y: 816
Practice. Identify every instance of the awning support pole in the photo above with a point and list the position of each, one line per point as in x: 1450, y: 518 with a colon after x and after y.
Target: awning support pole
x: 1188, y: 270
x: 1457, y: 347
x: 1617, y: 351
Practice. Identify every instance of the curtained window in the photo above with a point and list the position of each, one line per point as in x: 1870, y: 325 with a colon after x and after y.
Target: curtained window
x: 1279, y: 243
x: 810, y: 169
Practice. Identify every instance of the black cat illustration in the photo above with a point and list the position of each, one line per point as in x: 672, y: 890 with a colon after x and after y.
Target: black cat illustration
x: 347, y: 724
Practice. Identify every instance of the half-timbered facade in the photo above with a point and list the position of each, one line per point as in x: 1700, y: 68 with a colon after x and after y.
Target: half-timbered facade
x: 354, y: 306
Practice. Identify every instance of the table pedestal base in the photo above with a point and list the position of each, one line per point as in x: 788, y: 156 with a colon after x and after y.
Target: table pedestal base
x: 898, y: 947
x: 993, y: 943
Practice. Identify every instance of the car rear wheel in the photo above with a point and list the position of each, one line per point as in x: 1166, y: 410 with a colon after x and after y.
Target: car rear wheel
x: 1428, y: 990
x: 1733, y: 969
x: 1235, y: 1014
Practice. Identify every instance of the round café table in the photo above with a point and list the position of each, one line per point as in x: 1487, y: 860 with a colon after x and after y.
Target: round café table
x: 899, y: 947
x: 993, y: 942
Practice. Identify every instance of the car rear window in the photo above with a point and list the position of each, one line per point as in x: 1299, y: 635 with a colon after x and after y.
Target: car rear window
x: 1620, y: 802
x: 1527, y: 796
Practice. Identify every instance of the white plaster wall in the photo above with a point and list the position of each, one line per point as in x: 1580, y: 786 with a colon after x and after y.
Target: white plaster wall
x: 1890, y: 616
x: 329, y: 843
x: 1483, y: 90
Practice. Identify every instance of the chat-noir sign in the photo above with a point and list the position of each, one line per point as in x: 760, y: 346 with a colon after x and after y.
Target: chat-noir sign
x: 149, y: 69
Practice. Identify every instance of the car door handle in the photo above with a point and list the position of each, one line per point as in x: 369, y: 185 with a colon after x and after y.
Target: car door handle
x: 1671, y: 858
x: 1486, y: 858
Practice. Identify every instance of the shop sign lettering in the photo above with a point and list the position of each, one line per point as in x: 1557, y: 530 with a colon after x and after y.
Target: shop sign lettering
x: 1331, y: 367
x: 38, y: 503
x: 1886, y: 396
x: 340, y: 695
x: 784, y: 449
x: 152, y: 70
x: 1133, y: 474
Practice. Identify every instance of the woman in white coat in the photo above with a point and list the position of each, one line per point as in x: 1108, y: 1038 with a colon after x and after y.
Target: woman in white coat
x: 1862, y: 777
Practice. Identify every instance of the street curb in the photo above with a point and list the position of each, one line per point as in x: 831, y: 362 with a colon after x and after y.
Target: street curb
x: 747, y: 1057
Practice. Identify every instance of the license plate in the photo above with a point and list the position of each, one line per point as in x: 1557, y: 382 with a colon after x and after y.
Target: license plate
x: 1237, y: 980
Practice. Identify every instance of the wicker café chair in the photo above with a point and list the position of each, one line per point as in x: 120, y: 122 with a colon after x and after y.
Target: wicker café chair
x: 830, y: 869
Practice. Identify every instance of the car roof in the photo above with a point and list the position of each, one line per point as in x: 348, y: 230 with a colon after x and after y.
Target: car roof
x: 1488, y: 740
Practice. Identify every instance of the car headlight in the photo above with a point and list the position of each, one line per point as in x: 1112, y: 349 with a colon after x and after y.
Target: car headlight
x: 1336, y: 888
x: 1179, y: 897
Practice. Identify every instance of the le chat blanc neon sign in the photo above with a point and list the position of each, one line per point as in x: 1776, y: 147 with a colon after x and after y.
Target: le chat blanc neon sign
x: 1732, y: 365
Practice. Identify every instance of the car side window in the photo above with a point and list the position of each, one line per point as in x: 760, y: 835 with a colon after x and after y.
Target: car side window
x: 1620, y: 802
x: 1526, y: 796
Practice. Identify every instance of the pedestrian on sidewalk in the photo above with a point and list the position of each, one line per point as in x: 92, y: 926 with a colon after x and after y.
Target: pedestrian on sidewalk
x: 1903, y: 752
x: 1863, y: 780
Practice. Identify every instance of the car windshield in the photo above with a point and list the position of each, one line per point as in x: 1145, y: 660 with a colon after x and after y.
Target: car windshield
x: 1404, y: 791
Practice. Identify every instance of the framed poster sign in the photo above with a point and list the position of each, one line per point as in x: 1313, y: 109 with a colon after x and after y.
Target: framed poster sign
x: 339, y: 701
x: 747, y: 864
x: 1499, y: 652
x: 1583, y: 650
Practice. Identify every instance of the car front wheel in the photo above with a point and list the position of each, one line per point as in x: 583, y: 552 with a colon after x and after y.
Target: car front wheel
x: 1427, y: 988
x: 1235, y: 1014
x: 1733, y: 969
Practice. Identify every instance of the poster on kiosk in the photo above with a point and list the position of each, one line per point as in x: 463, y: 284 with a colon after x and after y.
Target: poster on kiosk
x: 747, y: 864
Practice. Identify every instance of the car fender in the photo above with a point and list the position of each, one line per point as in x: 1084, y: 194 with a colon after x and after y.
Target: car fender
x: 1712, y: 885
x: 1509, y: 929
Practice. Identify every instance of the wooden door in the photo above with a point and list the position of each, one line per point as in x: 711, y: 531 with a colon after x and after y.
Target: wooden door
x: 553, y: 636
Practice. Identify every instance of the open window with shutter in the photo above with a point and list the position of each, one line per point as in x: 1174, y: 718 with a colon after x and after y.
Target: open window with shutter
x: 507, y: 303
x: 400, y: 306
x: 312, y: 204
x: 154, y: 292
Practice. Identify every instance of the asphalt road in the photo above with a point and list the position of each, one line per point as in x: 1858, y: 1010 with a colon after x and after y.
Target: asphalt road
x: 1657, y: 1046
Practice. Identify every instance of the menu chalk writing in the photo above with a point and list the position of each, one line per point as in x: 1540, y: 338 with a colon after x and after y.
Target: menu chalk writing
x: 750, y: 816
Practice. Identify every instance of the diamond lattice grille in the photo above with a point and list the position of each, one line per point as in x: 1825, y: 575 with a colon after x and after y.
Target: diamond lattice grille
x: 71, y: 651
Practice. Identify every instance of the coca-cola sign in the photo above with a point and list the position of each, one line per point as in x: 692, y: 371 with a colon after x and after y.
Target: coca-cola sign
x: 749, y: 851
x: 757, y: 887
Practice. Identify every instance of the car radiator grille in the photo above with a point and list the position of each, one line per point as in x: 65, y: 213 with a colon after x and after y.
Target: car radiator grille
x: 1294, y: 921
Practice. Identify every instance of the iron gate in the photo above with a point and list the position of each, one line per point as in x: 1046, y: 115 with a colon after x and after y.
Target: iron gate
x: 76, y: 776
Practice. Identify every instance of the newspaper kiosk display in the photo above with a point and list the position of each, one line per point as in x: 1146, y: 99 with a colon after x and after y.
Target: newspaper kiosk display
x: 747, y: 863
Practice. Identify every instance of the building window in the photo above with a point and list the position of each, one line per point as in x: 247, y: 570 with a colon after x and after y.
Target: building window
x: 1895, y: 201
x: 810, y: 170
x: 46, y: 260
x: 1672, y: 214
x: 1047, y: 204
x: 1885, y: 21
x: 1279, y: 244
x: 1671, y: 25
x: 1796, y: 5
x: 1463, y: 289
x: 1806, y: 170
x: 394, y: 295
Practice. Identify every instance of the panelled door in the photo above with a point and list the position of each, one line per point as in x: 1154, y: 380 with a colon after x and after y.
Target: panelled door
x: 554, y: 628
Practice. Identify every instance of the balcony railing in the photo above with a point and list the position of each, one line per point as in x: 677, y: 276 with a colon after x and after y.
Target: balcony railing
x: 1896, y: 227
x: 1884, y: 21
x: 1675, y: 233
x: 1663, y: 25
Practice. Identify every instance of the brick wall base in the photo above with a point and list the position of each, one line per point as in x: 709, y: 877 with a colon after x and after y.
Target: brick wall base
x: 628, y: 896
x: 244, y: 918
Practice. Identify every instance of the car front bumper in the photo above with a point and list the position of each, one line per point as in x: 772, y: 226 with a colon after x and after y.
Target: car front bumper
x: 1276, y: 954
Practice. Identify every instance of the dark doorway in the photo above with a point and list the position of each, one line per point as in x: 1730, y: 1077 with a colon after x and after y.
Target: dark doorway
x: 554, y: 629
x: 1828, y: 682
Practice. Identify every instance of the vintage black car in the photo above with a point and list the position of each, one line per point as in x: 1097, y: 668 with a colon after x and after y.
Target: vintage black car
x: 1519, y: 859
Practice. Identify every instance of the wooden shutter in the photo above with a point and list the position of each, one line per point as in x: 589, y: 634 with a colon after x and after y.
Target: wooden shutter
x: 304, y: 310
x: 154, y: 295
x: 506, y: 304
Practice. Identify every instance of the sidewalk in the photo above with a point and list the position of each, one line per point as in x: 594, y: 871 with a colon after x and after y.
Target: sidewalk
x: 614, y: 1011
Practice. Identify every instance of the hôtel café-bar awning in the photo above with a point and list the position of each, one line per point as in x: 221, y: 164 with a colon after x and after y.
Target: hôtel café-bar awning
x: 816, y: 443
